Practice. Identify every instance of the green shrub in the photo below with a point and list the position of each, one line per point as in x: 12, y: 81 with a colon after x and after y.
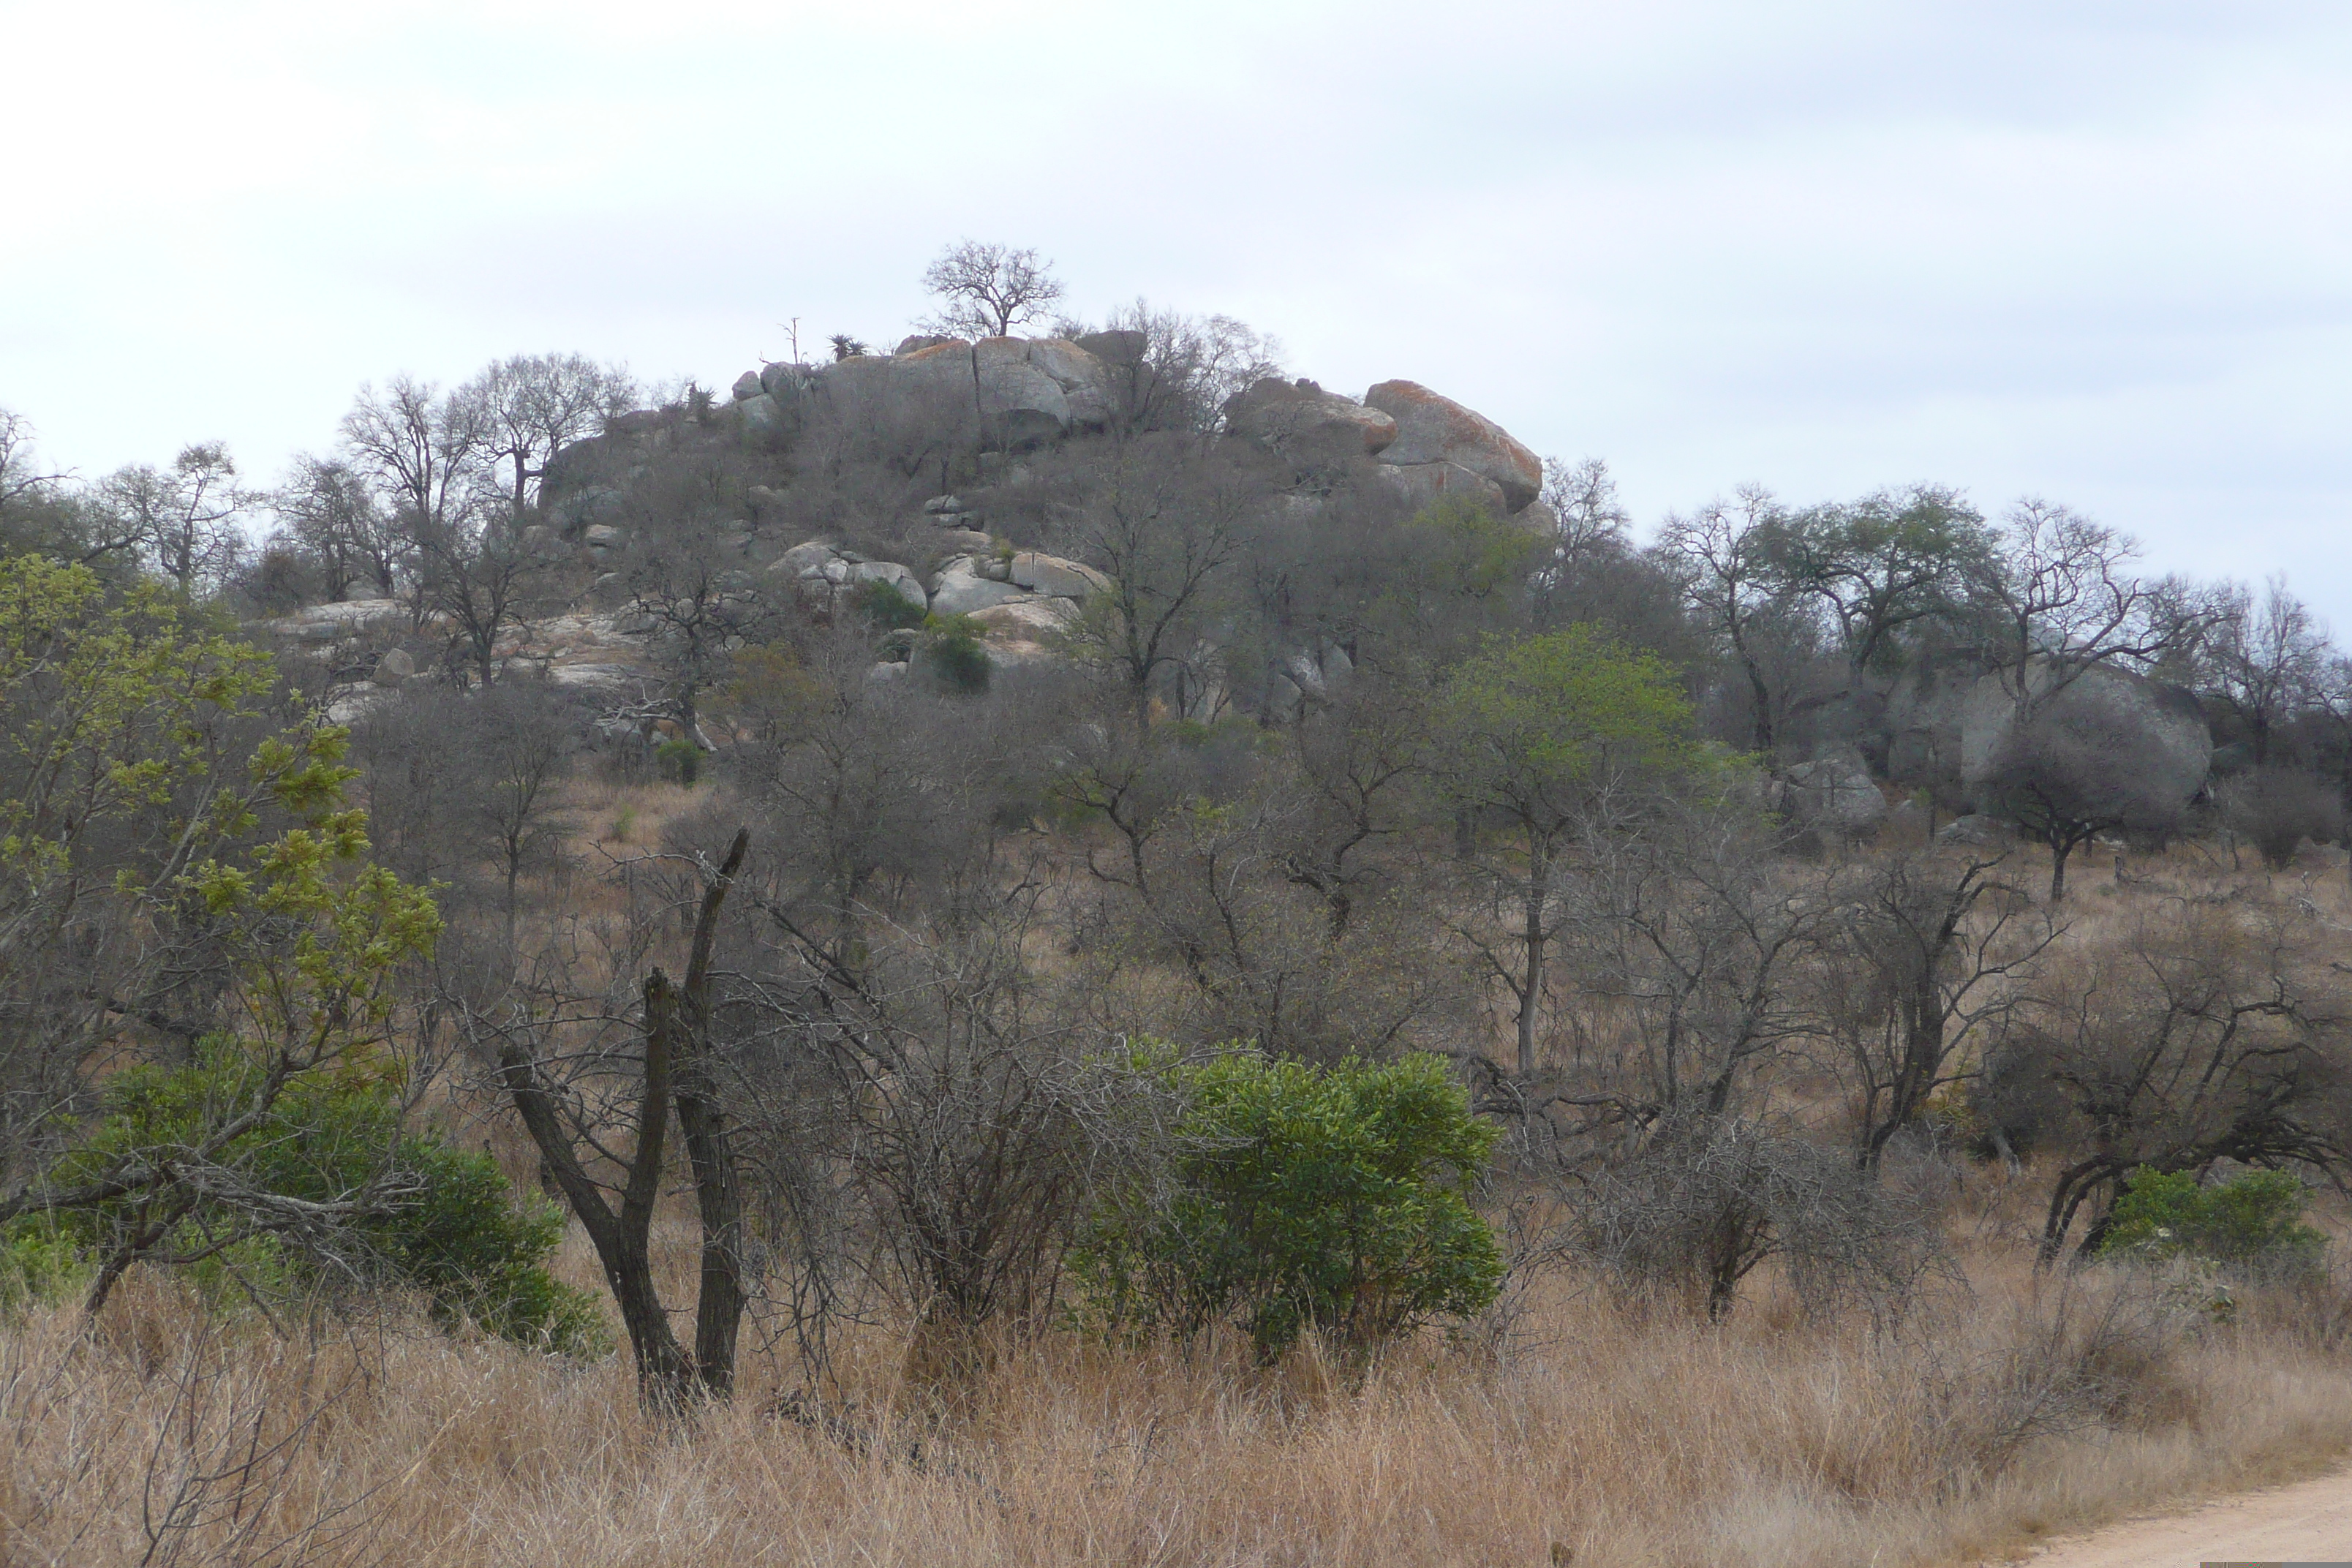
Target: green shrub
x: 2251, y: 1222
x: 1300, y: 1197
x: 952, y: 653
x: 888, y: 607
x: 456, y: 1231
x: 681, y: 759
x: 478, y: 1249
x: 39, y: 1263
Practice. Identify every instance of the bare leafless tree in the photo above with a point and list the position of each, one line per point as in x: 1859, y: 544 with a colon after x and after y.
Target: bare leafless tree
x: 186, y: 520
x: 985, y: 290
x: 2202, y: 1034
x: 337, y: 520
x: 2060, y: 597
x: 1166, y: 520
x: 1918, y: 972
x: 529, y: 407
x: 2268, y: 660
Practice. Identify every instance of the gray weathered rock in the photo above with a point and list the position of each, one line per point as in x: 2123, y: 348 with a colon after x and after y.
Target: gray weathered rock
x: 1435, y: 430
x: 1300, y: 417
x: 890, y: 572
x: 1022, y: 631
x: 961, y: 591
x: 970, y: 541
x: 1119, y: 348
x: 1022, y: 390
x: 1973, y: 830
x: 393, y: 668
x: 2179, y: 747
x: 348, y: 704
x: 784, y: 381
x: 603, y: 536
x: 1423, y: 483
x: 762, y: 418
x: 587, y: 505
x: 1020, y: 405
x: 939, y: 504
x: 916, y: 343
x: 1836, y: 794
x: 801, y: 557
x: 1053, y: 575
x: 747, y: 386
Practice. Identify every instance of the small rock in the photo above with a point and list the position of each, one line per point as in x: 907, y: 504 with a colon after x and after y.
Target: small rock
x: 1837, y: 792
x: 938, y: 504
x: 393, y: 668
x: 747, y: 386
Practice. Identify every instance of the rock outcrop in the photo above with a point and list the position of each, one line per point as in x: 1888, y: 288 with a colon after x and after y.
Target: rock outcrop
x: 1300, y: 417
x: 1018, y: 391
x: 2175, y: 746
x: 1833, y: 793
x: 1433, y: 430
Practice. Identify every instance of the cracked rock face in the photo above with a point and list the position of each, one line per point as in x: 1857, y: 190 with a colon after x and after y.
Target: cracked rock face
x: 1296, y: 416
x: 1022, y: 391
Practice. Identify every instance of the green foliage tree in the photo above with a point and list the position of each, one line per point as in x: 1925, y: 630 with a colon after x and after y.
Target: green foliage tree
x: 1545, y: 735
x: 1301, y: 1197
x: 154, y: 855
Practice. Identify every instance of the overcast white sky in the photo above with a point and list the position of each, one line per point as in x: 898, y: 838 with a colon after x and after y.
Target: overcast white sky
x: 2098, y: 252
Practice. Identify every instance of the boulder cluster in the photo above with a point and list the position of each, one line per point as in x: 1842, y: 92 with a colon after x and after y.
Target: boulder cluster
x: 1017, y: 391
x: 1007, y: 394
x: 1428, y: 445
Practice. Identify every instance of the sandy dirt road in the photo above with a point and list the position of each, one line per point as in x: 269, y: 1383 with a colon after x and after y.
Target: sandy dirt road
x: 2310, y: 1521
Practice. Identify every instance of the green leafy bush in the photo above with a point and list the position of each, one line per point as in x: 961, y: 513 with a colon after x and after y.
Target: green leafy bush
x: 1298, y: 1197
x: 38, y: 1263
x: 2251, y: 1221
x: 887, y: 606
x: 477, y: 1249
x: 952, y: 653
x: 681, y: 759
x: 326, y: 1173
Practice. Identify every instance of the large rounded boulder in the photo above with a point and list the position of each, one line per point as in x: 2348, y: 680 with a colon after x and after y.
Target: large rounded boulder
x: 1298, y: 416
x: 2172, y: 750
x: 1435, y: 430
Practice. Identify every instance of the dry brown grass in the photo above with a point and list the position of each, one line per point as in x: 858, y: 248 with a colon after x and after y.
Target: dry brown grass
x: 1591, y: 1432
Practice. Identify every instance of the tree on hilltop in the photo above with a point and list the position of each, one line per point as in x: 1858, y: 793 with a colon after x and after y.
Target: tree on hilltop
x: 986, y: 290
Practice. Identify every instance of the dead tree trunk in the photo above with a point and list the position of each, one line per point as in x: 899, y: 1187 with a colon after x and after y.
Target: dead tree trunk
x: 676, y: 1072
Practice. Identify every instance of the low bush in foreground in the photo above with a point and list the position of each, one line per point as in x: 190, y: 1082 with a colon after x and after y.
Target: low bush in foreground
x: 1302, y: 1197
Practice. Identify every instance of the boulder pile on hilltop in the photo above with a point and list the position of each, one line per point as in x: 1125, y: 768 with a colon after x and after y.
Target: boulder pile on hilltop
x: 980, y: 553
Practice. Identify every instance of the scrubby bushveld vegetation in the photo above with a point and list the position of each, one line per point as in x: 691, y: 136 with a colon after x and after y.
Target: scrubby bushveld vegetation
x: 1384, y: 1030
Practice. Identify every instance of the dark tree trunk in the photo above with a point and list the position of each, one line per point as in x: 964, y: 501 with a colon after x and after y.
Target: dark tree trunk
x: 1531, y: 995
x: 675, y: 1069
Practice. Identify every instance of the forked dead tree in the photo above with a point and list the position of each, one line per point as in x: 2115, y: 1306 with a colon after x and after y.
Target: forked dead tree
x: 673, y: 1076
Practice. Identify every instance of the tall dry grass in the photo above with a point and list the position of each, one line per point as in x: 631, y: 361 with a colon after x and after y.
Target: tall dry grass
x: 1581, y: 1429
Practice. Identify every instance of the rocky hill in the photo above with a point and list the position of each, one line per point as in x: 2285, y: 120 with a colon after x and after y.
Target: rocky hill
x: 980, y: 416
